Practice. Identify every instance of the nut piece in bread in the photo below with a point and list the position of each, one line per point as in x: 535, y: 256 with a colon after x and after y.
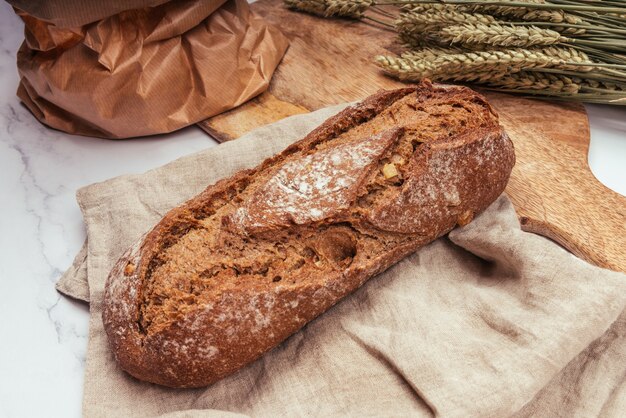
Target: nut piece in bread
x: 233, y: 272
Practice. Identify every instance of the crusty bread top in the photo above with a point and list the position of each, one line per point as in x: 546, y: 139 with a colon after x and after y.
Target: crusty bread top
x: 317, y: 219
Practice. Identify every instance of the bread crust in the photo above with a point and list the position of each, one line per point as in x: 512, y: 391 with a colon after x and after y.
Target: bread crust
x: 447, y: 183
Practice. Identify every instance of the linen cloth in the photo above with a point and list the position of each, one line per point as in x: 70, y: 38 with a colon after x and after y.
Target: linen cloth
x: 490, y: 321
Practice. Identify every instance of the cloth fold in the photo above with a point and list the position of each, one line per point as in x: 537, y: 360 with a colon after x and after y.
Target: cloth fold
x: 490, y: 321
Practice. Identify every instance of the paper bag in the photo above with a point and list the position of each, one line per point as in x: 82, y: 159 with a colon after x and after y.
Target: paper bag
x: 131, y: 68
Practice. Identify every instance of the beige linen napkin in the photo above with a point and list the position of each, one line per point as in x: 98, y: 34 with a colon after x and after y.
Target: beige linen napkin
x: 490, y: 321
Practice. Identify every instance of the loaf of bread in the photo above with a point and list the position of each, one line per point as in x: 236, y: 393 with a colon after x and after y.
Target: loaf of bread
x: 236, y: 270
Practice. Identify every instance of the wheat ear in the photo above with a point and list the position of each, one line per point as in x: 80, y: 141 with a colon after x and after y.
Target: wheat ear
x: 423, y: 19
x: 526, y: 80
x: 446, y: 64
x: 532, y: 15
x: 495, y: 34
x: 328, y: 8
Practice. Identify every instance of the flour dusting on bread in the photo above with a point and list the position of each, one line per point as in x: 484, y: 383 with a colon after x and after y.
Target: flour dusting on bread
x: 313, y: 187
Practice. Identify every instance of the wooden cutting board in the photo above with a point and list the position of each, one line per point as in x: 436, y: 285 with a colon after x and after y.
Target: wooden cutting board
x: 553, y: 190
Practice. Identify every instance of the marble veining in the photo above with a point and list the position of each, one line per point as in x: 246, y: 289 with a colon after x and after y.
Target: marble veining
x: 43, y: 335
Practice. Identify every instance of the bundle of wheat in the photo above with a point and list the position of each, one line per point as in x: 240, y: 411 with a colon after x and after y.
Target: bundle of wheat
x: 563, y: 49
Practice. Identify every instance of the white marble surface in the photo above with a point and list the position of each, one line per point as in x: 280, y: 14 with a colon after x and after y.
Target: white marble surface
x: 43, y: 335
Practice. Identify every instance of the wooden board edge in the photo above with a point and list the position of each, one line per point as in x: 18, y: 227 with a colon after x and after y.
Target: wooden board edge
x: 260, y: 111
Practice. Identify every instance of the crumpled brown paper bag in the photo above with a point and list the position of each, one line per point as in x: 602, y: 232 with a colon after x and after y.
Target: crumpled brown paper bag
x: 127, y: 68
x: 490, y: 322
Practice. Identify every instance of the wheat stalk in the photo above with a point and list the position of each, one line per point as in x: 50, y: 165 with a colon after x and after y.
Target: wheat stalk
x: 534, y: 15
x: 348, y: 8
x: 423, y: 19
x: 495, y: 34
x: 478, y: 66
x: 561, y: 87
x: 526, y: 80
x: 535, y: 47
x: 313, y: 7
x: 526, y: 13
x: 409, y: 69
x: 555, y: 20
x: 327, y: 8
x: 508, y: 11
x: 447, y: 24
x: 586, y: 6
